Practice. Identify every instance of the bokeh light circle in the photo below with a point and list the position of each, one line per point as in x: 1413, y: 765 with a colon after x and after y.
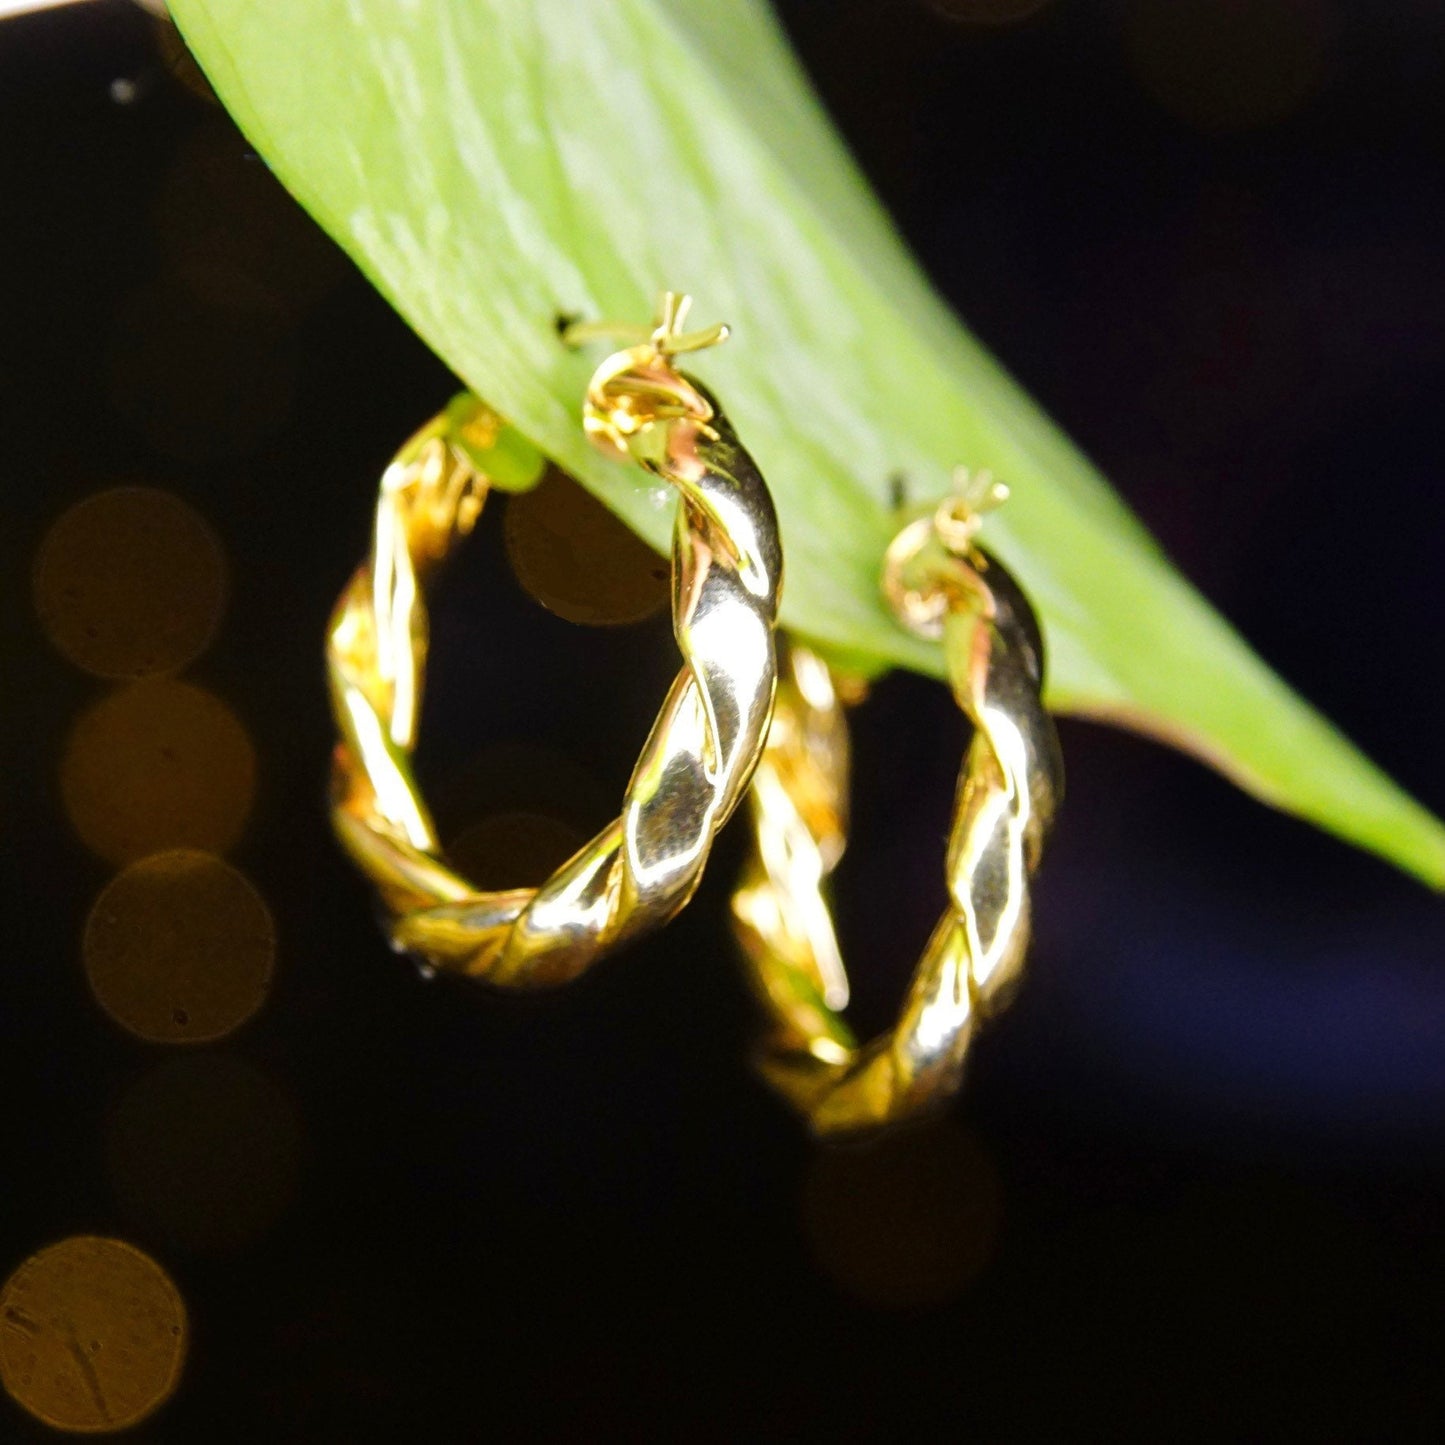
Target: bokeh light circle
x: 231, y: 235
x: 204, y: 1152
x: 180, y: 948
x: 520, y: 777
x: 130, y: 581
x: 988, y: 12
x: 513, y: 849
x: 578, y: 559
x: 93, y: 1335
x: 154, y: 765
x: 199, y: 381
x: 1229, y: 65
x: 904, y: 1221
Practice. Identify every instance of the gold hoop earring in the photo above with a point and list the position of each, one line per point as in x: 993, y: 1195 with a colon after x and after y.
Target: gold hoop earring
x: 939, y: 585
x: 696, y: 764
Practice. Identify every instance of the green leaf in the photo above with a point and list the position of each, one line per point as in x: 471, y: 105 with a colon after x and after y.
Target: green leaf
x: 491, y: 163
x: 508, y: 459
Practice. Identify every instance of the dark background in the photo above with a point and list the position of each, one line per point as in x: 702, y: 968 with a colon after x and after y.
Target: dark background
x: 1200, y: 1159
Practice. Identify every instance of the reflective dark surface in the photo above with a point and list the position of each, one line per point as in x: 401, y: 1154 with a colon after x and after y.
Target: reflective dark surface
x: 1194, y: 1186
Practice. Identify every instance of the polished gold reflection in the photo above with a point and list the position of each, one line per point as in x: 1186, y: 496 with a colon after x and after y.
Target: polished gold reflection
x: 910, y: 1219
x: 180, y: 948
x: 130, y: 581
x: 580, y: 560
x: 513, y: 848
x: 940, y: 587
x: 203, y: 1152
x: 636, y: 873
x: 1223, y: 65
x: 158, y: 764
x: 93, y: 1335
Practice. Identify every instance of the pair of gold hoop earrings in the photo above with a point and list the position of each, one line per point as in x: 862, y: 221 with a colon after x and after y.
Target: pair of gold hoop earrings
x: 743, y: 710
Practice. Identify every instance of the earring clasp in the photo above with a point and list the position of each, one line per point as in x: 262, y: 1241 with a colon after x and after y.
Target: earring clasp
x: 932, y: 566
x: 637, y: 387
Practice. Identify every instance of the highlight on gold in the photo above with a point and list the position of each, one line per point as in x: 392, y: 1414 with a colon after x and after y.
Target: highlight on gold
x: 93, y: 1335
x: 941, y: 587
x: 580, y: 560
x: 154, y: 765
x: 130, y: 581
x: 640, y: 870
x: 180, y: 948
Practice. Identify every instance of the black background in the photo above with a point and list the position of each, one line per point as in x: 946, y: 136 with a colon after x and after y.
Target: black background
x: 1216, y: 1110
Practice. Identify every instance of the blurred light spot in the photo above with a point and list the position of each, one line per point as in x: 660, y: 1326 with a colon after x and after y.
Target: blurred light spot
x: 580, y: 561
x: 130, y: 581
x: 513, y: 850
x: 176, y: 55
x: 196, y: 382
x: 512, y: 779
x: 154, y: 765
x: 907, y: 1220
x: 93, y: 1335
x: 124, y: 91
x: 205, y: 1151
x: 1226, y: 65
x: 231, y: 235
x: 179, y: 948
x: 987, y: 12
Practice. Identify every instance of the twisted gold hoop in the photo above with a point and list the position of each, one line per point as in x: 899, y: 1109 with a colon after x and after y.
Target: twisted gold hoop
x: 642, y: 869
x: 1009, y: 788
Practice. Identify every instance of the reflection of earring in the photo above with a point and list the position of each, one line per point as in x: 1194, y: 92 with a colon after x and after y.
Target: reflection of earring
x: 939, y: 586
x: 638, y: 872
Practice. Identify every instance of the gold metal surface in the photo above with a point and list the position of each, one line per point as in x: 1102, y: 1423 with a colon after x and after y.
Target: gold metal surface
x: 939, y: 585
x: 727, y: 571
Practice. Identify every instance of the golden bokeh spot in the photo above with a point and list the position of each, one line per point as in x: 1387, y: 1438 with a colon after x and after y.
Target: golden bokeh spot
x: 130, y: 581
x: 93, y: 1335
x: 988, y: 12
x: 514, y: 811
x: 198, y: 379
x: 579, y: 560
x: 1229, y: 65
x: 521, y: 777
x: 232, y: 236
x: 154, y: 765
x: 907, y: 1220
x: 514, y: 849
x: 179, y: 948
x: 204, y: 1152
